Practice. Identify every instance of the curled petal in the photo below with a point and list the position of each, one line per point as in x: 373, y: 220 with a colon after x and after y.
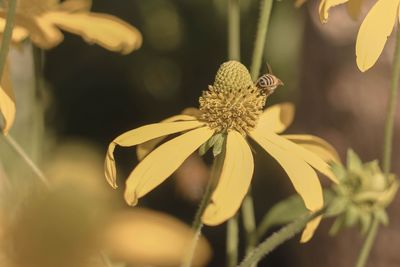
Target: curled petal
x: 7, y: 101
x: 301, y: 152
x: 233, y: 183
x: 75, y: 5
x: 145, y: 148
x: 374, y: 32
x: 303, y: 177
x: 162, y: 162
x: 309, y: 230
x: 141, y: 135
x: 105, y: 30
x: 276, y: 118
x: 19, y: 33
x: 316, y: 145
x: 324, y: 7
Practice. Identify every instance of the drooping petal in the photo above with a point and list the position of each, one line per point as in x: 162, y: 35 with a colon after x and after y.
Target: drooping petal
x: 141, y: 135
x: 7, y: 101
x: 354, y: 8
x: 43, y: 33
x: 19, y: 33
x: 144, y: 149
x: 162, y: 162
x: 374, y: 32
x: 303, y: 177
x: 324, y: 7
x: 309, y: 230
x: 316, y: 145
x: 302, y: 153
x: 105, y: 30
x: 75, y: 5
x: 276, y: 118
x: 233, y: 183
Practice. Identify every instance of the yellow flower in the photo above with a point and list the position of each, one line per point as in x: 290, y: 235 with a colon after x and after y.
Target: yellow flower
x: 374, y: 31
x: 43, y: 20
x: 232, y: 106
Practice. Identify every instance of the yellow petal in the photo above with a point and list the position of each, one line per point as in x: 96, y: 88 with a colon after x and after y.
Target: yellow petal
x: 7, y: 101
x: 105, y: 30
x: 141, y: 135
x: 316, y: 145
x: 374, y: 31
x: 354, y: 8
x: 233, y: 183
x: 276, y: 118
x: 303, y: 177
x: 144, y: 149
x: 324, y: 7
x: 162, y: 162
x: 302, y: 153
x: 43, y: 33
x: 19, y: 33
x: 309, y: 230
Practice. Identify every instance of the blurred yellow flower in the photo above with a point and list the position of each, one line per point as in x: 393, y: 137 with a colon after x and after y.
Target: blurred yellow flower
x: 374, y: 31
x: 41, y: 20
x: 232, y: 106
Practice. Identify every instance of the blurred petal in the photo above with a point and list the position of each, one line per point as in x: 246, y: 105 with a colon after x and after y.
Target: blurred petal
x: 303, y: 177
x: 105, y: 30
x: 316, y: 145
x: 162, y: 162
x: 19, y: 33
x: 75, y: 5
x: 374, y: 32
x: 141, y: 135
x: 354, y: 8
x: 42, y: 32
x: 324, y: 7
x: 309, y: 230
x: 144, y: 149
x: 142, y: 237
x: 233, y: 183
x: 302, y: 153
x: 7, y: 100
x: 276, y: 118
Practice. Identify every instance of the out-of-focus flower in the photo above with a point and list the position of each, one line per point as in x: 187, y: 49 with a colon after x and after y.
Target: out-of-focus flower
x: 143, y: 237
x: 374, y: 31
x: 363, y: 193
x: 42, y: 22
x: 230, y: 110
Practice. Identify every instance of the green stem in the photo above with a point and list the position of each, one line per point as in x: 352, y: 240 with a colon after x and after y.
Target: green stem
x: 387, y: 148
x: 197, y: 223
x: 232, y: 230
x: 7, y: 34
x: 369, y: 241
x: 259, y: 45
x: 249, y: 222
x: 278, y: 238
x: 21, y: 152
x: 234, y: 30
x: 232, y: 242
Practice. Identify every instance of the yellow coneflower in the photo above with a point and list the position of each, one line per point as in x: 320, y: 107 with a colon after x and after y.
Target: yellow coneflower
x: 232, y: 106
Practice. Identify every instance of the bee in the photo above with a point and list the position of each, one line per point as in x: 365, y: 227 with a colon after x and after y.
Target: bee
x: 268, y: 82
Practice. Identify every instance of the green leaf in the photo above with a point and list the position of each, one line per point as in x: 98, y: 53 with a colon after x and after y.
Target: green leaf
x: 382, y: 216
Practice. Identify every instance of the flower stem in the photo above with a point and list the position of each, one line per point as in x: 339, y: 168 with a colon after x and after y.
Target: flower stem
x: 259, y: 45
x: 369, y: 241
x: 21, y: 152
x: 197, y: 224
x: 278, y: 238
x: 233, y: 30
x: 7, y: 34
x: 387, y: 148
x: 232, y: 241
x: 249, y: 222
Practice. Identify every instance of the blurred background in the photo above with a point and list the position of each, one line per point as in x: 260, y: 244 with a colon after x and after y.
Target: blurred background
x: 92, y: 95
